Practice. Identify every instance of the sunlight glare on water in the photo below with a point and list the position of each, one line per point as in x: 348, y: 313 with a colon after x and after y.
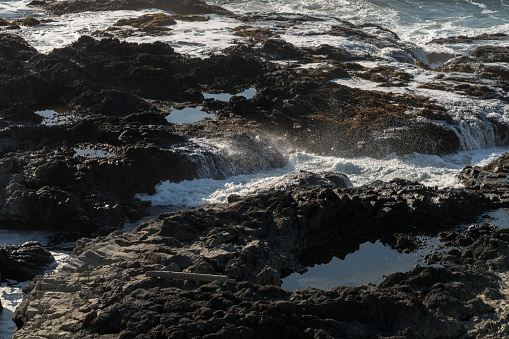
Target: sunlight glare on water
x: 414, y: 20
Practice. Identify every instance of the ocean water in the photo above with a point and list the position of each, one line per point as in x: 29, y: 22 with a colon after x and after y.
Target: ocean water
x: 416, y: 22
x: 412, y: 20
x: 431, y: 170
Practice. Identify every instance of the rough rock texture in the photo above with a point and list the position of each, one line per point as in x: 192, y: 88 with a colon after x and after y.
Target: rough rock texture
x: 24, y: 262
x: 483, y: 62
x: 46, y: 183
x: 177, y: 6
x: 257, y: 241
x: 79, y: 171
x: 469, y: 39
x: 491, y: 178
x: 114, y: 97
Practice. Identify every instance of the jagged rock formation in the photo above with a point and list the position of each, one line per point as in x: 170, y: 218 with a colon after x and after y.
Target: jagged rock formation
x: 256, y: 241
x: 24, y: 262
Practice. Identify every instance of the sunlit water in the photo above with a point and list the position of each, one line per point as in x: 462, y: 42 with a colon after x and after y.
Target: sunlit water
x: 412, y: 20
x: 417, y: 21
x: 11, y: 291
x: 431, y: 170
x: 351, y: 264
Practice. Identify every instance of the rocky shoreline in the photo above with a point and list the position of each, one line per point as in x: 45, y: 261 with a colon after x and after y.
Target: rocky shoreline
x: 107, y: 138
x: 256, y: 241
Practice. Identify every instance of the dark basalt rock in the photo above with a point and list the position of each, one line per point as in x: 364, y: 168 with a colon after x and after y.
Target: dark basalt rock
x: 305, y: 178
x: 326, y: 118
x: 24, y: 262
x: 489, y: 178
x: 255, y: 240
x: 286, y: 223
x: 479, y: 62
x: 334, y: 53
x: 15, y: 48
x: 466, y: 39
x: 120, y: 93
x: 20, y: 112
x: 29, y: 22
x: 179, y: 7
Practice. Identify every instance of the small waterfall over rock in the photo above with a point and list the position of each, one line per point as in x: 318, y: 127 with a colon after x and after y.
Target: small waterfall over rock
x: 480, y: 127
x: 475, y: 134
x: 226, y: 157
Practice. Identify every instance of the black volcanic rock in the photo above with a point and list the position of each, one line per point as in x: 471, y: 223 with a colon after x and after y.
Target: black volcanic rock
x: 177, y: 6
x: 256, y: 240
x: 20, y: 112
x: 469, y: 39
x: 24, y: 262
x: 490, y: 178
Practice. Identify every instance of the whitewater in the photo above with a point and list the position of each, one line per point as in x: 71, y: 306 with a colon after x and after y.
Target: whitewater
x: 417, y: 22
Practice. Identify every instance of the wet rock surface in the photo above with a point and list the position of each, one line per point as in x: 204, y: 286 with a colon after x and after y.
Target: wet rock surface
x: 180, y: 7
x: 122, y: 113
x: 24, y: 262
x: 257, y: 241
x: 47, y: 184
x: 80, y: 172
x: 488, y: 62
x: 491, y: 178
x: 469, y: 39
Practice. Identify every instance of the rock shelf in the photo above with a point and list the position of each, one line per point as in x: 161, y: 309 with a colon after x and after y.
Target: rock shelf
x: 256, y: 241
x: 373, y: 96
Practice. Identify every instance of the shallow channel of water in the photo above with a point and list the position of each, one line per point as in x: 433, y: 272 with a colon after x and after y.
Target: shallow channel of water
x: 11, y: 291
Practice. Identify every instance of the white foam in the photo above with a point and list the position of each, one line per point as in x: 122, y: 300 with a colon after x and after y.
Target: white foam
x: 198, y: 38
x: 194, y: 38
x: 11, y: 293
x: 470, y: 114
x: 433, y: 19
x: 432, y: 170
x: 15, y: 9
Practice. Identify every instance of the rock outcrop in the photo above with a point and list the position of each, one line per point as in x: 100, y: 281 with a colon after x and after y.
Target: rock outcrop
x: 177, y: 6
x: 79, y: 169
x: 257, y: 241
x: 24, y: 262
x: 491, y: 178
